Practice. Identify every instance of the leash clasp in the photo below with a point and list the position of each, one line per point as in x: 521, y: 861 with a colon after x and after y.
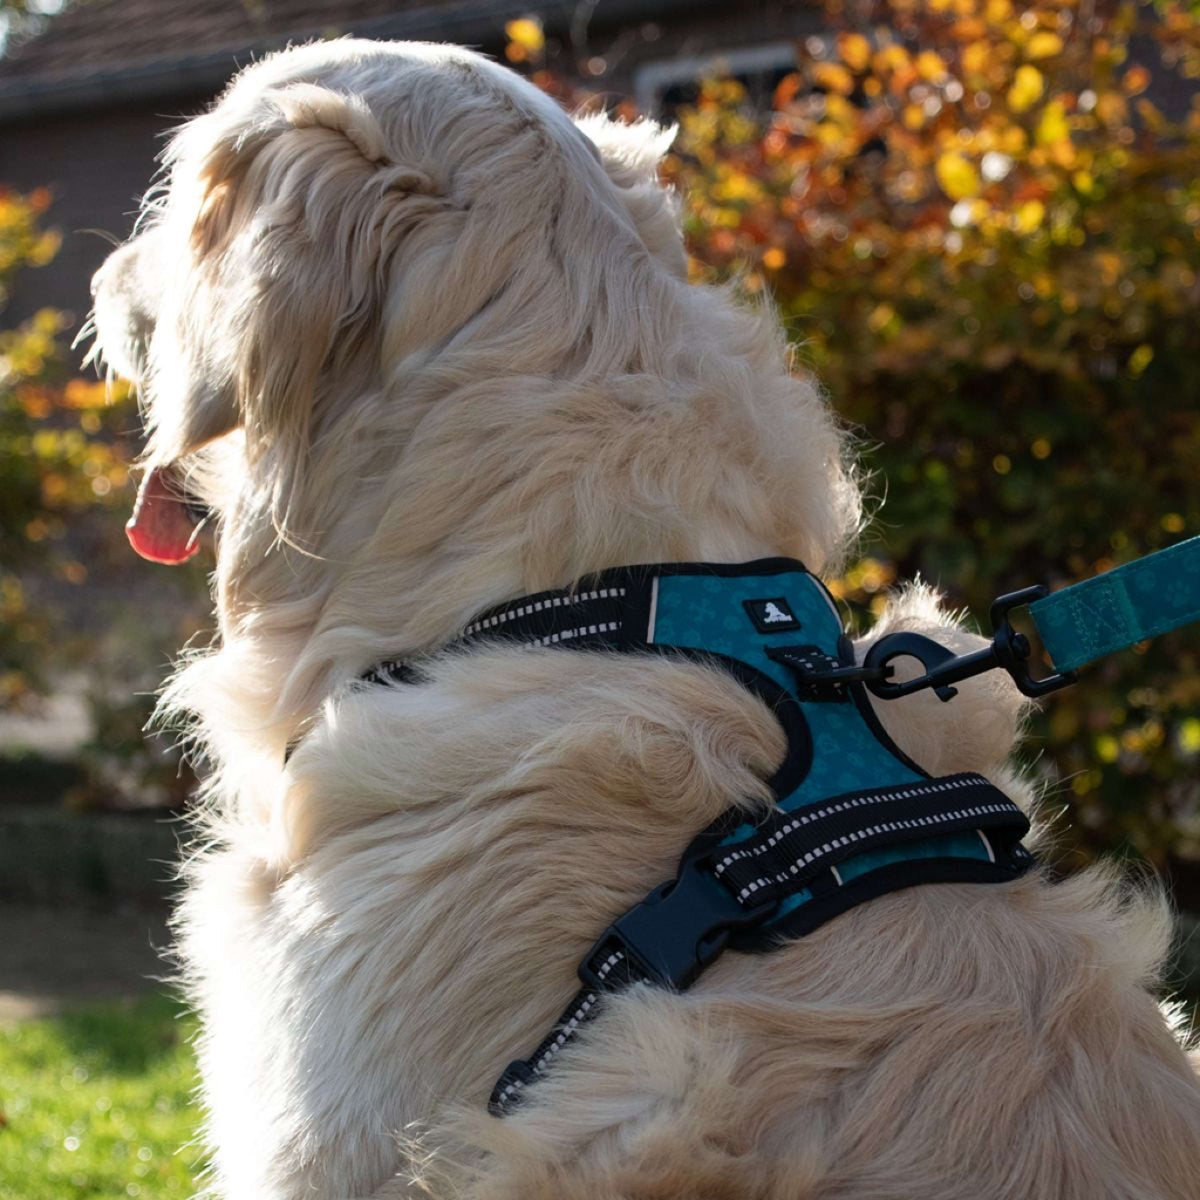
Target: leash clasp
x: 1009, y: 650
x: 672, y: 935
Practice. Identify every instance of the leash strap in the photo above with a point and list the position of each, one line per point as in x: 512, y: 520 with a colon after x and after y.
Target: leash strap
x: 1124, y: 606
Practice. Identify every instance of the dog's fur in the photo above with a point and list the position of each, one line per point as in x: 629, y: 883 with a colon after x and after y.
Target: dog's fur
x: 426, y: 345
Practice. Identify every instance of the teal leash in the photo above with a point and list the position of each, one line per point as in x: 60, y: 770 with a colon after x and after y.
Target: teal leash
x: 1129, y: 604
x: 1078, y: 625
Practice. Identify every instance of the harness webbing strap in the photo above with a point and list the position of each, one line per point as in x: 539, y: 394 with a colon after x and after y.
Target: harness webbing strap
x: 1124, y: 606
x: 792, y: 849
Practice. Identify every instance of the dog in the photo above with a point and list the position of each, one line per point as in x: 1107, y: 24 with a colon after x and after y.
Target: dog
x: 424, y: 344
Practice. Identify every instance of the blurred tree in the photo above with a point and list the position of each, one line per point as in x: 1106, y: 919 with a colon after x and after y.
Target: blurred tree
x: 51, y: 461
x: 984, y: 237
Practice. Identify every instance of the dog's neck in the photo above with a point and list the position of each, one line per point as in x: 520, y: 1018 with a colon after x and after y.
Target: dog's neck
x: 432, y: 509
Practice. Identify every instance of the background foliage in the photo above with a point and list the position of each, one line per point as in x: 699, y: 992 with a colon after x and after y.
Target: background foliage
x: 979, y: 222
x: 983, y: 234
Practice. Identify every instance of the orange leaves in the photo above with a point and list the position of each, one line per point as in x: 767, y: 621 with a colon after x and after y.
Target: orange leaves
x: 1135, y: 80
x: 895, y: 68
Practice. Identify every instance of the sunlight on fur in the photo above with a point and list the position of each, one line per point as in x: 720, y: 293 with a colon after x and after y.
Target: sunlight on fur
x: 426, y: 344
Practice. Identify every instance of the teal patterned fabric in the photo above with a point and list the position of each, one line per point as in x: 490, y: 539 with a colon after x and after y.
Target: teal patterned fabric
x: 706, y: 612
x: 1122, y: 607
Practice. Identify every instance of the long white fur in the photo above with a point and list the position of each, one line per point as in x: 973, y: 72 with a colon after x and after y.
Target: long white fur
x: 426, y: 344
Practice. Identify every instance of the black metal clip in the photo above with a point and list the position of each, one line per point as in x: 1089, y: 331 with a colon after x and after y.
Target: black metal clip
x: 673, y: 934
x: 1009, y: 650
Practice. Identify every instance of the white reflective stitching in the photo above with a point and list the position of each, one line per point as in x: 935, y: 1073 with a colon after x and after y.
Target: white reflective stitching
x: 818, y: 811
x: 859, y: 835
x: 537, y: 606
x: 566, y: 635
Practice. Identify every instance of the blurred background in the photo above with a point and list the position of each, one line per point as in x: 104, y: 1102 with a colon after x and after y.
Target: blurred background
x: 980, y: 222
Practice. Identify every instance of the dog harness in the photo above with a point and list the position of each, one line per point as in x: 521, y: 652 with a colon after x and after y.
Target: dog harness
x: 853, y: 816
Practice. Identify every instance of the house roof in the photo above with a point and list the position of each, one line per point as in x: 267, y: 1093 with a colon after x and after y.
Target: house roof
x: 94, y: 35
x: 113, y: 51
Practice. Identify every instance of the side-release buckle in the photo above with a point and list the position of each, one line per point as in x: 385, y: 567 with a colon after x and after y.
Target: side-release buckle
x: 672, y: 935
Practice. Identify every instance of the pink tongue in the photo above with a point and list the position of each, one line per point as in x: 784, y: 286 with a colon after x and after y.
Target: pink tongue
x: 161, y: 528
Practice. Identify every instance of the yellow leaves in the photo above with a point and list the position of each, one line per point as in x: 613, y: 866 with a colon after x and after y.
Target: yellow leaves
x: 1029, y: 216
x: 891, y: 58
x: 1027, y: 88
x: 931, y: 67
x: 1044, y: 45
x: 833, y: 77
x: 882, y: 316
x: 774, y: 259
x: 1012, y: 140
x: 854, y: 50
x: 1140, y: 359
x: 913, y: 117
x: 1083, y: 182
x: 956, y: 176
x: 1189, y: 735
x: 1173, y: 522
x: 734, y: 186
x: 976, y: 57
x: 526, y: 40
x: 1052, y: 126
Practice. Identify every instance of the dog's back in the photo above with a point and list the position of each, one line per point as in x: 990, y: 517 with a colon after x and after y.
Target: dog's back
x: 425, y: 345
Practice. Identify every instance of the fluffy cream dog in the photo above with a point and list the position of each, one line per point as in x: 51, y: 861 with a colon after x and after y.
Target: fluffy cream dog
x: 425, y: 345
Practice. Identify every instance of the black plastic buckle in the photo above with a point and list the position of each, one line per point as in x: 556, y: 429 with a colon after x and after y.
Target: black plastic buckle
x: 1009, y: 650
x: 819, y: 675
x: 673, y: 934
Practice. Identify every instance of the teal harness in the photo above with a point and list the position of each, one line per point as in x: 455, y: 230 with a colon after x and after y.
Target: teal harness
x: 853, y: 817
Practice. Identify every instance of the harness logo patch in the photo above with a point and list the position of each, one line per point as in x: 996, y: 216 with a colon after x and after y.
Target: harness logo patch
x: 773, y: 615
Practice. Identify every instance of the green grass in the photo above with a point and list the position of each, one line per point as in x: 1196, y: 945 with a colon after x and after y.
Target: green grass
x: 96, y: 1104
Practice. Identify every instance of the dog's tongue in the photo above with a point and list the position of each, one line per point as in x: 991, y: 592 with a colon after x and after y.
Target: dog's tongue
x: 161, y: 528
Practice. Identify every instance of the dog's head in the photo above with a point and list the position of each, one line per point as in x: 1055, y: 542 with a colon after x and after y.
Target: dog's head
x: 343, y: 213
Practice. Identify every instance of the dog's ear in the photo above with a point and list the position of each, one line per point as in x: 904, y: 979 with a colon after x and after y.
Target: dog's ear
x: 301, y: 206
x: 631, y: 154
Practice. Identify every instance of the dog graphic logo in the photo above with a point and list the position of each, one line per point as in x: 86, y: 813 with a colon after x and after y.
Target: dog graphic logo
x: 771, y: 615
